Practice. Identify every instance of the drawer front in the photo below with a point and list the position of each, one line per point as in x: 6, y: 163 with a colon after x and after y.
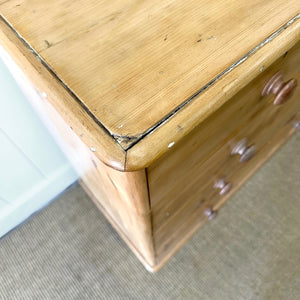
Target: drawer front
x: 184, y: 172
x: 222, y: 167
x: 183, y: 188
x: 261, y: 128
x: 185, y: 222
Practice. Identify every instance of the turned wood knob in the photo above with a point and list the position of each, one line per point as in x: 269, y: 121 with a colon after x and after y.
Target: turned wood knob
x: 246, y: 153
x: 223, y: 186
x: 210, y: 213
x: 282, y: 90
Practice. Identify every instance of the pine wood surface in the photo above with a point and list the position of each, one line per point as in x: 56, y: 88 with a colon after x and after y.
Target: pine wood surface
x: 175, y: 239
x: 154, y: 145
x: 258, y: 130
x: 182, y: 200
x: 135, y: 85
x: 122, y: 196
x: 131, y: 64
x: 61, y: 100
x: 191, y: 165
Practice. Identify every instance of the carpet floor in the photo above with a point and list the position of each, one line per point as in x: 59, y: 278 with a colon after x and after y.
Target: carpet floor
x: 251, y: 251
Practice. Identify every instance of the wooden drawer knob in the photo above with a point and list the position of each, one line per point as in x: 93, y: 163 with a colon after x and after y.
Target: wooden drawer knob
x: 246, y: 153
x: 210, y: 213
x: 223, y: 186
x: 282, y: 90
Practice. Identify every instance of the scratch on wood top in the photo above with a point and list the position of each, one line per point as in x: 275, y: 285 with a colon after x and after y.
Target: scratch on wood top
x: 124, y: 140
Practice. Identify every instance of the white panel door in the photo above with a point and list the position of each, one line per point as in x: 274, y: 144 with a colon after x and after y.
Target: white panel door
x: 33, y: 170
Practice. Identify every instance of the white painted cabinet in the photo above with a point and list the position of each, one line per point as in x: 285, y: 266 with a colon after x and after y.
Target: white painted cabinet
x: 33, y: 170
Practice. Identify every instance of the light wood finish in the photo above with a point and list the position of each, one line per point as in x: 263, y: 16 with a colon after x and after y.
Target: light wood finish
x: 160, y: 91
x: 149, y: 264
x: 154, y: 145
x: 258, y: 131
x: 183, y: 201
x: 122, y: 196
x: 186, y: 197
x: 72, y: 112
x: 125, y: 60
x: 188, y: 169
x: 175, y: 240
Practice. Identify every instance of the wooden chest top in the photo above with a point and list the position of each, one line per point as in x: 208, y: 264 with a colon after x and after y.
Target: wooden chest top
x: 137, y: 76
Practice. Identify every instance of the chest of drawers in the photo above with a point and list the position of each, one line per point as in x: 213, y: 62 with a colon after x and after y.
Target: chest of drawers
x: 165, y: 109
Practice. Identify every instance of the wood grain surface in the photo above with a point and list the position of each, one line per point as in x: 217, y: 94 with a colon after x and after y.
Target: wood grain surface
x: 131, y: 85
x: 122, y: 196
x: 132, y: 65
x: 173, y: 240
x: 190, y: 165
x: 181, y: 183
x: 258, y: 131
x: 54, y: 93
x: 197, y: 184
x: 154, y: 145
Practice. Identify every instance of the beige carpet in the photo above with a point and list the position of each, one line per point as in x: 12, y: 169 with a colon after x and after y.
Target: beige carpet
x: 251, y: 251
